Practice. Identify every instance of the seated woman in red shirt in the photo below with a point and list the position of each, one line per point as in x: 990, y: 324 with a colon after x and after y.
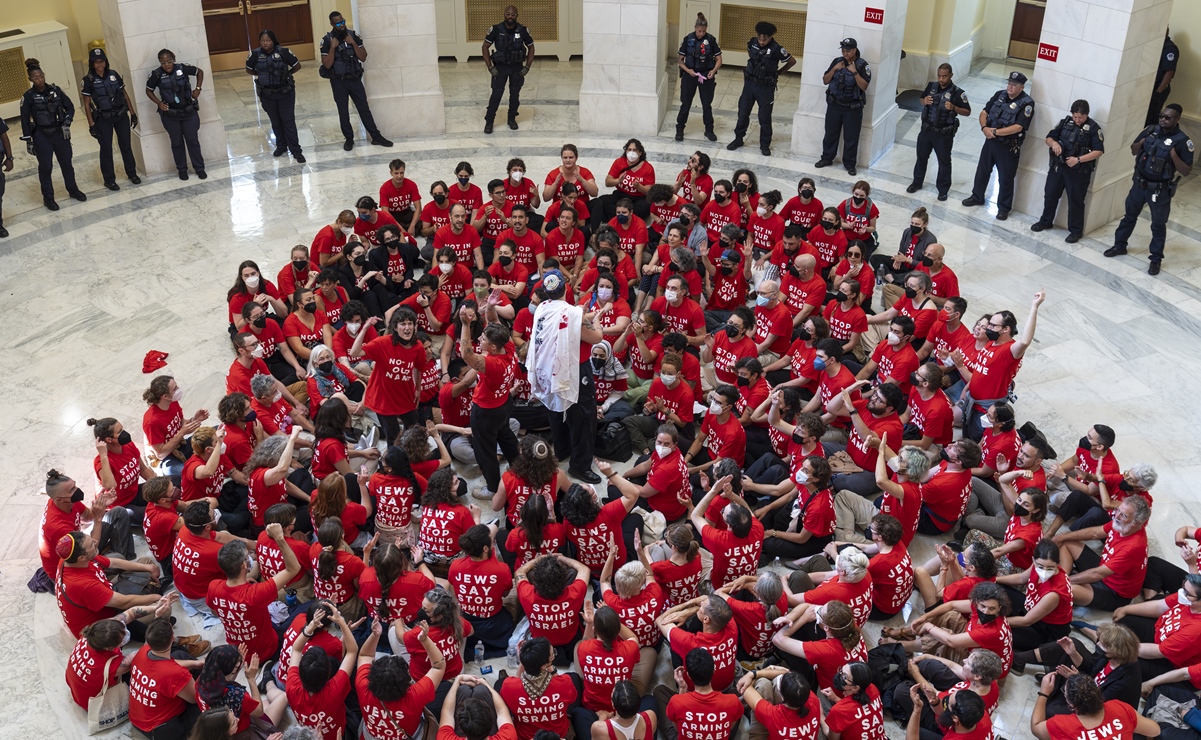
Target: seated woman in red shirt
x: 217, y: 688
x: 551, y: 589
x: 308, y: 326
x: 250, y: 285
x: 329, y: 500
x: 536, y: 534
x: 801, y: 523
x: 757, y: 601
x: 534, y: 472
x: 446, y: 628
x: 336, y: 570
x: 391, y: 699
x: 589, y: 526
x: 272, y: 481
x: 638, y: 601
x: 949, y: 575
x: 854, y: 267
x: 850, y: 582
x: 326, y: 379
x: 1090, y: 715
x: 393, y: 586
x: 834, y: 641
x: 661, y: 478
x: 165, y: 426
x: 443, y: 521
x: 394, y: 489
x: 330, y: 451
x: 97, y: 656
x: 976, y: 622
x: 675, y: 563
x: 612, y: 383
x: 1024, y: 531
x: 792, y: 711
x: 631, y: 176
x: 607, y: 299
x: 1042, y: 612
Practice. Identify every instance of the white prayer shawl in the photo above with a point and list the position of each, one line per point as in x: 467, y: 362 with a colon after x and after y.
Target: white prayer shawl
x: 553, y: 361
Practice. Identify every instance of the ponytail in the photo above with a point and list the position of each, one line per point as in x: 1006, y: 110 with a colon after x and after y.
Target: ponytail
x: 680, y: 538
x: 329, y: 535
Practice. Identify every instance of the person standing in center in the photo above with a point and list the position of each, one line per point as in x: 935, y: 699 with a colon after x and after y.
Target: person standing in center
x: 109, y: 110
x: 179, y: 109
x: 273, y: 66
x: 943, y: 102
x: 510, y: 63
x: 46, y: 114
x: 560, y: 372
x: 342, y: 57
x: 1168, y: 59
x: 700, y: 58
x: 1075, y: 144
x: 1004, y: 121
x: 764, y: 57
x: 846, y: 81
x: 491, y: 403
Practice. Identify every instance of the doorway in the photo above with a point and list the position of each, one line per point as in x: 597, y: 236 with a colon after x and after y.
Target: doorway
x: 233, y: 27
x: 1027, y: 28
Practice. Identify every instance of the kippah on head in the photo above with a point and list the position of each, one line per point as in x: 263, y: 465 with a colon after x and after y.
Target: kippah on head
x: 65, y: 547
x: 554, y: 283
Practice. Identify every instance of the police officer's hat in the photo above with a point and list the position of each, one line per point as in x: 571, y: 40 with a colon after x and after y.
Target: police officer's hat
x: 1017, y: 77
x: 849, y: 43
x: 96, y: 55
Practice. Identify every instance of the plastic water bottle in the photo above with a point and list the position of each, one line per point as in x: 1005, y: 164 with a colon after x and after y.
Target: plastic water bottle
x: 479, y: 654
x: 511, y: 655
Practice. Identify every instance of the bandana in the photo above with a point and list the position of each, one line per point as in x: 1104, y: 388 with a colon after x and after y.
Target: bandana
x: 536, y: 686
x: 155, y: 360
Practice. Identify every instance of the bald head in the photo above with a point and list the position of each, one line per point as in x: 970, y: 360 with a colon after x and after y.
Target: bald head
x: 805, y: 265
x: 936, y: 252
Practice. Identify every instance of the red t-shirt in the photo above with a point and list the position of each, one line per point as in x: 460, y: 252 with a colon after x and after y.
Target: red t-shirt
x: 722, y: 645
x: 829, y: 387
x: 480, y: 585
x: 679, y: 399
x: 558, y: 620
x: 830, y: 655
x: 733, y: 556
x: 643, y: 367
x: 239, y: 446
x: 830, y: 247
x: 237, y: 379
x: 548, y: 711
x: 442, y: 526
x: 324, y: 711
x: 392, y: 389
x: 601, y: 669
x: 160, y: 426
x: 690, y: 190
x: 704, y: 716
x: 997, y: 637
x: 1119, y: 723
x: 800, y: 293
x: 327, y: 453
x: 776, y: 321
x: 866, y: 276
x: 906, y: 510
x: 463, y: 243
x: 627, y: 176
x: 398, y: 199
x: 241, y: 299
x: 271, y: 560
x: 321, y: 640
x: 754, y: 630
x: 327, y: 241
x: 194, y: 562
x: 1029, y: 534
x: 274, y: 418
x: 686, y: 318
x: 396, y: 720
x: 639, y: 612
x: 783, y: 723
x: 933, y: 418
x: 394, y: 497
x: 993, y: 369
x: 808, y: 215
x: 444, y: 638
x: 347, y: 571
x: 858, y: 596
x: 243, y: 612
x: 309, y: 336
x: 83, y: 594
x: 439, y: 216
x: 1057, y: 584
x: 714, y: 217
x: 763, y: 233
x: 1178, y: 633
x: 404, y: 595
x: 154, y: 686
x: 844, y: 323
x: 725, y: 440
x: 892, y: 578
x: 857, y: 220
x: 262, y: 496
x: 126, y: 467
x: 518, y: 543
x: 55, y: 524
x: 367, y: 231
x: 895, y: 363
x: 668, y: 212
x: 529, y: 246
x: 726, y: 355
x: 668, y: 476
x: 565, y: 248
x: 857, y: 447
x: 517, y: 490
x: 946, y: 495
x: 471, y: 196
x: 1126, y: 556
x: 495, y: 221
x: 85, y: 671
x: 158, y: 524
x: 592, y: 541
x: 441, y: 309
x: 855, y: 721
x: 492, y: 390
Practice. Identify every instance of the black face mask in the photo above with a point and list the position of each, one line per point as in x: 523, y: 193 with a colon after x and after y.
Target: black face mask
x: 123, y: 438
x: 806, y: 194
x: 743, y: 382
x: 504, y: 260
x: 598, y: 364
x: 732, y: 331
x: 260, y: 322
x: 250, y: 417
x: 914, y: 379
x: 300, y: 265
x: 857, y: 201
x: 740, y: 187
x: 673, y: 267
x: 797, y: 436
x: 1126, y: 486
x: 420, y: 616
x: 927, y: 261
x: 827, y: 224
x: 1020, y: 510
x: 311, y: 306
x: 843, y: 297
x: 992, y: 334
x: 840, y: 682
x: 360, y: 260
x: 439, y: 198
x: 326, y: 367
x: 802, y: 334
x: 727, y: 271
x: 719, y: 198
x: 915, y: 230
x: 407, y: 342
x: 1084, y: 444
x: 942, y: 454
x: 392, y: 245
x: 793, y: 271
x: 685, y: 221
x: 910, y: 293
x: 77, y: 496
x: 986, y: 618
x: 604, y: 268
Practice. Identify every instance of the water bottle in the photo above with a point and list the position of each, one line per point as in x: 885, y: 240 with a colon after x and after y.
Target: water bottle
x: 479, y: 654
x: 511, y: 661
x: 290, y: 598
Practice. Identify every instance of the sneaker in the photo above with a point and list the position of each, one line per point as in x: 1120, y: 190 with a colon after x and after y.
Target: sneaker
x: 348, y: 144
x: 1153, y: 269
x: 202, y: 174
x: 972, y: 200
x: 379, y: 140
x: 735, y: 144
x: 1072, y: 238
x: 1115, y: 251
x: 487, y: 127
x: 481, y: 493
x: 823, y: 163
x: 913, y: 187
x: 112, y: 186
x: 1040, y: 226
x: 135, y: 179
x: 279, y: 151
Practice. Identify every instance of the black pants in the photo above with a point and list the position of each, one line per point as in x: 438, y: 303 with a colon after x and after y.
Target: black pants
x: 997, y: 153
x: 346, y: 91
x: 280, y: 369
x: 929, y: 141
x: 1160, y: 203
x: 2, y: 197
x: 604, y: 209
x: 574, y: 431
x: 394, y: 424
x: 184, y: 132
x: 493, y: 631
x: 179, y: 727
x: 1179, y: 693
x: 841, y: 119
x: 490, y: 427
x: 1163, y: 577
x: 689, y: 86
x: 510, y: 73
x: 1073, y: 180
x: 939, y: 676
x: 1158, y: 101
x: 755, y: 93
x: 281, y: 109
x: 51, y: 145
x: 105, y: 128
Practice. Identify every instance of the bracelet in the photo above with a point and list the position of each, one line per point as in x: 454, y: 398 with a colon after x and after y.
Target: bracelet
x: 1045, y: 696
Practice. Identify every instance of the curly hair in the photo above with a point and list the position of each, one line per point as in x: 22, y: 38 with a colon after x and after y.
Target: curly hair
x: 535, y: 463
x: 580, y: 507
x: 388, y: 678
x: 839, y: 622
x: 415, y: 443
x: 440, y: 489
x: 550, y: 576
x: 446, y: 613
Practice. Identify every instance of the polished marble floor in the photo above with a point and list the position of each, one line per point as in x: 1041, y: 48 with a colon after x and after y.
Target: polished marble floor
x: 89, y: 290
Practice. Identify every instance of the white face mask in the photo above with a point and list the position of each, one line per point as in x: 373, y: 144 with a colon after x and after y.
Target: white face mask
x: 1183, y: 597
x: 278, y: 396
x: 252, y: 281
x: 353, y: 329
x: 662, y: 450
x: 445, y: 267
x: 671, y: 295
x: 258, y: 352
x: 714, y: 408
x: 347, y: 230
x: 178, y: 394
x: 517, y: 175
x: 802, y: 477
x: 668, y: 380
x: 893, y: 339
x: 761, y: 212
x: 894, y: 464
x: 222, y: 448
x: 1045, y: 574
x: 631, y: 156
x: 985, y: 422
x: 605, y: 294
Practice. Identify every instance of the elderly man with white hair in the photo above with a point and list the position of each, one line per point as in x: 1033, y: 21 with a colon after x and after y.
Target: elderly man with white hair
x: 849, y: 583
x: 1113, y: 578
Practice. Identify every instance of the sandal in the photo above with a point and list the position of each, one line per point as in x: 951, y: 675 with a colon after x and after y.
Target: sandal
x: 898, y: 633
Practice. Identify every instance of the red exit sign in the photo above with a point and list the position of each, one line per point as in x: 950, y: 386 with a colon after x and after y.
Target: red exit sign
x: 1048, y: 52
x: 873, y: 15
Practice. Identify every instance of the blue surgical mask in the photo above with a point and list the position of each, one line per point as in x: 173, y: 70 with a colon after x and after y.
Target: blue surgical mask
x: 363, y: 217
x: 819, y: 363
x: 762, y: 300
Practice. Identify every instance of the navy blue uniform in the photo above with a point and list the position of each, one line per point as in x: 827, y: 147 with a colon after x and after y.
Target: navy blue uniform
x: 3, y: 161
x: 277, y: 93
x: 1154, y: 185
x: 1003, y: 152
x: 1075, y: 141
x: 699, y: 55
x: 1168, y: 58
x: 844, y: 110
x: 937, y: 134
x: 182, y: 117
x: 759, y: 87
x: 110, y: 115
x: 45, y: 123
x: 508, y: 59
x: 345, y: 77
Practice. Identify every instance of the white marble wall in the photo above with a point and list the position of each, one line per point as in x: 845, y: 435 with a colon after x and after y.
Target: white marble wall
x: 134, y: 32
x: 1108, y: 54
x: 401, y: 77
x: 624, y: 90
x: 829, y: 22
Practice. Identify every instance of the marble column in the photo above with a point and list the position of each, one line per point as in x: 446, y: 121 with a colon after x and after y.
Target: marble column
x: 624, y: 90
x: 828, y: 22
x: 134, y: 32
x: 1106, y: 53
x: 402, y: 81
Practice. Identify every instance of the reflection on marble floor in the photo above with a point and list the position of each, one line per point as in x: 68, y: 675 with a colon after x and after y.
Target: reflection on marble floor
x: 88, y: 291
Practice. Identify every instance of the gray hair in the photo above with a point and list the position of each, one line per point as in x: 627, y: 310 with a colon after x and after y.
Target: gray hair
x: 1144, y: 475
x: 684, y: 257
x: 263, y: 386
x: 317, y: 351
x: 852, y: 565
x: 917, y: 462
x: 986, y: 664
x: 630, y: 579
x: 266, y: 454
x: 300, y: 732
x: 923, y: 278
x: 1139, y: 508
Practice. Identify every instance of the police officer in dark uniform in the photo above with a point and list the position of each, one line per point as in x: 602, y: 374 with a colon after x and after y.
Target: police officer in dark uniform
x: 700, y: 58
x: 6, y: 165
x: 764, y: 57
x: 1163, y: 78
x: 943, y: 102
x: 109, y: 110
x: 46, y: 114
x: 273, y: 66
x: 509, y: 63
x: 1004, y: 120
x: 1075, y: 144
x: 179, y: 109
x: 342, y: 57
x: 846, y: 81
x: 1163, y: 154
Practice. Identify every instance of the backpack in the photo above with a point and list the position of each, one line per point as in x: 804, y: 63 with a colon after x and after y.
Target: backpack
x: 613, y: 442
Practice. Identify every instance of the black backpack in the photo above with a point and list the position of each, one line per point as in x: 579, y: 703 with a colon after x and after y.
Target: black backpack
x: 613, y: 442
